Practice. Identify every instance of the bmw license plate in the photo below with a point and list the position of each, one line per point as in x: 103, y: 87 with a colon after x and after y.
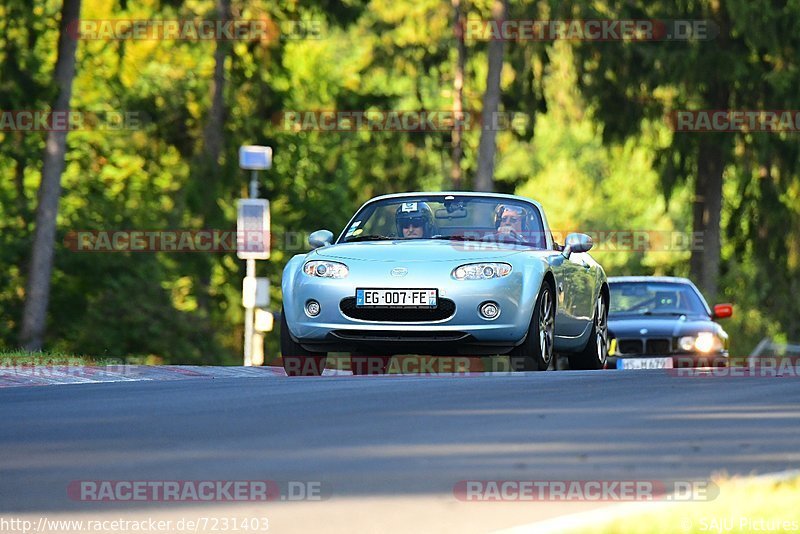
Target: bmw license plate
x: 644, y: 363
x: 396, y: 298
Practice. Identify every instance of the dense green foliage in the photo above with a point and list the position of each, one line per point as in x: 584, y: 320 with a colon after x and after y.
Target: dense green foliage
x: 596, y: 151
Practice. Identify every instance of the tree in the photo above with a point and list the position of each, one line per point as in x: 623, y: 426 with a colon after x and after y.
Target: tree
x: 456, y: 173
x: 207, y: 163
x: 37, y: 294
x: 646, y: 80
x: 484, y: 178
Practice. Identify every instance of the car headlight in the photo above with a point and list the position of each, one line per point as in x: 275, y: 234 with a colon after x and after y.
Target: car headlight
x: 702, y: 342
x: 481, y: 271
x: 326, y: 269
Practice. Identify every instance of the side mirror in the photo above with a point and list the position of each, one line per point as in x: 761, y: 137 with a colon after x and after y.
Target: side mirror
x: 721, y: 311
x: 320, y: 238
x: 577, y: 243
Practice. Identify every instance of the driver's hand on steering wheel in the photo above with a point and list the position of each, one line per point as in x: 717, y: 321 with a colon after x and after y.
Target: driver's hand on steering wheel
x: 507, y: 230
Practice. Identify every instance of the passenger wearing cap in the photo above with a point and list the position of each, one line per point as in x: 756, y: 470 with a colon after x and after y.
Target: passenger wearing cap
x: 414, y: 220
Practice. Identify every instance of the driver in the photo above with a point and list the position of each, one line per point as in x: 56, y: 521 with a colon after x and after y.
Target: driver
x: 414, y: 220
x: 509, y: 220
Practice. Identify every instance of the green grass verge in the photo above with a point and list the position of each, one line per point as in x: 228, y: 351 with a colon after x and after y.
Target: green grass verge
x: 744, y: 505
x: 15, y: 358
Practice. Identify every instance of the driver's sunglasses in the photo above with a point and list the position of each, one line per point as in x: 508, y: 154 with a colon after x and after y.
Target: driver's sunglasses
x: 416, y: 222
x: 508, y: 219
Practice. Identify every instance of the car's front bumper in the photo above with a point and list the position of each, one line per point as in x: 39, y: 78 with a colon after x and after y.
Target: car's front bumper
x: 463, y: 331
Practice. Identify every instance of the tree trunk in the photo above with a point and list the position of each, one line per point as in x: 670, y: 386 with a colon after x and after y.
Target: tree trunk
x: 37, y: 294
x: 705, y: 258
x: 484, y: 180
x: 456, y: 173
x: 213, y: 146
x: 711, y: 160
x: 214, y: 130
x: 712, y: 156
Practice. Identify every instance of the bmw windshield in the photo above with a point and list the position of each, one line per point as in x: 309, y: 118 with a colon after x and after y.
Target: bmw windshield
x: 655, y: 298
x: 448, y: 217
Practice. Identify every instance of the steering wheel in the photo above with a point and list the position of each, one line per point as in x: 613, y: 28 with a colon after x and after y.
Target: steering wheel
x: 509, y: 237
x: 642, y: 304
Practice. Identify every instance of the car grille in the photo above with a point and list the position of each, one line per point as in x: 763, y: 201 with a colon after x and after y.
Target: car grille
x: 659, y: 346
x: 629, y: 346
x: 445, y: 309
x: 644, y: 346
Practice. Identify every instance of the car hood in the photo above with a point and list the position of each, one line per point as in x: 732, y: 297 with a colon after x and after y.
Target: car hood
x: 421, y: 250
x: 632, y: 326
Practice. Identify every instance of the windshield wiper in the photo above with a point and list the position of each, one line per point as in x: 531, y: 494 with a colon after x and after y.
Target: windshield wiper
x: 370, y: 237
x: 651, y: 312
x: 488, y: 239
x: 455, y: 238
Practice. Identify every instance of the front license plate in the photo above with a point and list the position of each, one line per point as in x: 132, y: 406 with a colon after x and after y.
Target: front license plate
x: 396, y: 298
x: 644, y: 363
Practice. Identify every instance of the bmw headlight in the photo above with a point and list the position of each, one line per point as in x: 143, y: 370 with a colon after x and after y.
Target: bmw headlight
x: 326, y: 269
x: 703, y: 342
x: 481, y: 271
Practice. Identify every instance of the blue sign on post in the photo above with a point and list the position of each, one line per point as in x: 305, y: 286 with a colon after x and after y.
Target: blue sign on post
x: 255, y: 158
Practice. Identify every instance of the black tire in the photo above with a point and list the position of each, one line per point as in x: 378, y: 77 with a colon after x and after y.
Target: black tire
x: 298, y: 361
x: 367, y: 364
x: 536, y: 352
x: 595, y: 354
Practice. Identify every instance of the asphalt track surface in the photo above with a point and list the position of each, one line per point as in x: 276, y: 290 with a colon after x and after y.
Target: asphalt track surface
x: 392, y: 438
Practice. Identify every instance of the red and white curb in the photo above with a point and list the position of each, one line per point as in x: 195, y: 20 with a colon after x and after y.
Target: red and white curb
x: 45, y: 375
x: 29, y: 375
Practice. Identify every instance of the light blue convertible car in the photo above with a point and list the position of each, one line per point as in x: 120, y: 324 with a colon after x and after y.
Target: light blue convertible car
x: 453, y: 273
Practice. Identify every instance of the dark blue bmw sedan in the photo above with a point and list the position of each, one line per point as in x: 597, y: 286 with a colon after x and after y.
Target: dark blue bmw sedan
x: 662, y: 323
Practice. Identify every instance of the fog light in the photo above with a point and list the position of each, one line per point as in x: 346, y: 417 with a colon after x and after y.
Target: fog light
x: 489, y: 310
x: 312, y: 308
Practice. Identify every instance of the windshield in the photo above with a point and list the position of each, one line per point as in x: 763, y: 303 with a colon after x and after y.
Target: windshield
x: 655, y: 298
x: 448, y: 217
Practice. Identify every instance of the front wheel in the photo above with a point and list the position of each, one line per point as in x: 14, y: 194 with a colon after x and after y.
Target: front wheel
x: 298, y: 361
x: 536, y: 352
x: 595, y: 354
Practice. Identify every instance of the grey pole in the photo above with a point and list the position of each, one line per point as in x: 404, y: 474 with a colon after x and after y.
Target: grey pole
x: 254, y: 184
x: 250, y: 313
x: 249, y: 321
